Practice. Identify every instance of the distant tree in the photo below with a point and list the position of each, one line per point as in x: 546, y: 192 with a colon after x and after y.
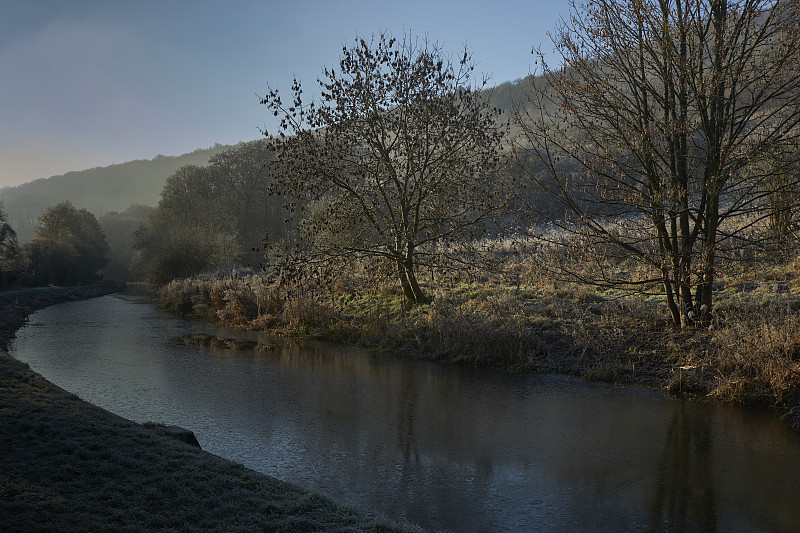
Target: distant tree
x: 69, y: 246
x: 245, y: 192
x: 397, y: 155
x: 193, y: 194
x: 9, y: 250
x: 654, y: 132
x: 190, y: 231
x: 8, y: 237
x: 170, y: 251
x: 119, y: 229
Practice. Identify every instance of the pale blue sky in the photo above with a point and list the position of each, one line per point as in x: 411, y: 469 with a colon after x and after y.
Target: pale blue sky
x: 88, y: 83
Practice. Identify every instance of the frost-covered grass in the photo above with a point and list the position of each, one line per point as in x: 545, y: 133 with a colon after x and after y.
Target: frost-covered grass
x: 509, y: 311
x: 66, y: 465
x: 70, y: 466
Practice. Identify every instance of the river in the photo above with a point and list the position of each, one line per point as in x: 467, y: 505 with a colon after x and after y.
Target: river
x: 444, y: 447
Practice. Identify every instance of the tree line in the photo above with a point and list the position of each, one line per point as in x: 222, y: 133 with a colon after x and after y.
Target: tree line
x: 212, y: 216
x: 208, y: 216
x: 69, y: 247
x: 113, y: 188
x: 666, y: 137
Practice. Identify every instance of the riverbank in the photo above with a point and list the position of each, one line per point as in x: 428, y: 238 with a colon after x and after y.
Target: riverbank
x: 71, y: 466
x: 17, y: 304
x: 749, y: 354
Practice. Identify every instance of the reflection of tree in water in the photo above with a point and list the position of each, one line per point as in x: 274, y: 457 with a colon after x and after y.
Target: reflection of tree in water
x: 684, y: 496
x: 439, y: 456
x: 405, y: 418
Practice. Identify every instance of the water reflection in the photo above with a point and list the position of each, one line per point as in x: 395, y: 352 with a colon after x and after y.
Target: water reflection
x: 684, y: 495
x: 457, y: 448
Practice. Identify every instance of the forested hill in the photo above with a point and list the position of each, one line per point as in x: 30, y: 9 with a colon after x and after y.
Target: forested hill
x: 509, y: 94
x: 100, y: 190
x: 116, y: 187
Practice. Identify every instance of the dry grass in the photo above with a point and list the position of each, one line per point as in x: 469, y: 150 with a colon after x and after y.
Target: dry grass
x: 754, y: 354
x: 510, y: 314
x: 245, y: 300
x: 490, y: 330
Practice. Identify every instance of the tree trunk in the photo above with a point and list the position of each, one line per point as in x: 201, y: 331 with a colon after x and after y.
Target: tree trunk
x: 705, y: 287
x: 408, y: 292
x: 408, y: 278
x: 674, y: 311
x: 416, y: 290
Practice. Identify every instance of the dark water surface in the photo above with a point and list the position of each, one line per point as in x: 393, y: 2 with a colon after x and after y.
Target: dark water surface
x: 445, y: 447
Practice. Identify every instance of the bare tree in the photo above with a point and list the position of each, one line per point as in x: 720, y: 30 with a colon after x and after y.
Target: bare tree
x: 652, y: 134
x: 398, y: 154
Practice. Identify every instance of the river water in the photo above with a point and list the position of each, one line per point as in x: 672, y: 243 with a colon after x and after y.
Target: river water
x: 444, y: 447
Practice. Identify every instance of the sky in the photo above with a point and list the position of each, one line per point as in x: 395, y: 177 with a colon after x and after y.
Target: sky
x: 89, y: 83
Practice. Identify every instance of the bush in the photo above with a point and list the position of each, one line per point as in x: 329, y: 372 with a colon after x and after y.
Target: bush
x: 755, y: 351
x: 245, y: 300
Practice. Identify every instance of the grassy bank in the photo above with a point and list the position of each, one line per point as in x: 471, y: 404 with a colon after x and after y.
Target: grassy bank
x: 70, y: 466
x: 750, y: 354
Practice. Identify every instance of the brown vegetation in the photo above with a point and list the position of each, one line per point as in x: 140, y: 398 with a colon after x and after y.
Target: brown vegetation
x: 664, y: 133
x: 750, y: 353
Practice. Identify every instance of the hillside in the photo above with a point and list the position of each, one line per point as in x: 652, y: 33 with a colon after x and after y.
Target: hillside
x: 99, y: 190
x: 116, y: 187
